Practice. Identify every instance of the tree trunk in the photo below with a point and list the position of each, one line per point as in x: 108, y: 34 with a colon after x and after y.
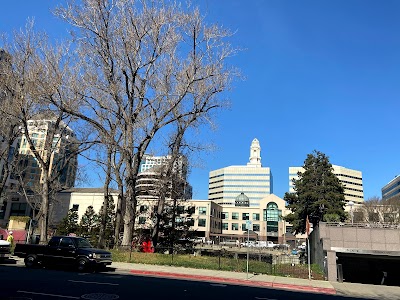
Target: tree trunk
x: 44, y: 216
x: 104, y: 213
x: 118, y: 214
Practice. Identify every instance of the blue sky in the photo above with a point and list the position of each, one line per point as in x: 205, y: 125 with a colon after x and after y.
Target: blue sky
x: 321, y: 75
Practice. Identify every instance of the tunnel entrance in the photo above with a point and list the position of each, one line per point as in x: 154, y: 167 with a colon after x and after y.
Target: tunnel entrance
x: 369, y: 269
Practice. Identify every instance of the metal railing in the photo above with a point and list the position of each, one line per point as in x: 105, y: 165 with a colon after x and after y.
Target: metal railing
x: 363, y: 225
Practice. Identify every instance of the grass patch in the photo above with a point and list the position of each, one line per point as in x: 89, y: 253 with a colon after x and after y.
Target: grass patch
x: 217, y: 263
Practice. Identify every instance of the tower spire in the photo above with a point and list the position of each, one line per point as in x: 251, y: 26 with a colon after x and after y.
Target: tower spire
x: 255, y: 154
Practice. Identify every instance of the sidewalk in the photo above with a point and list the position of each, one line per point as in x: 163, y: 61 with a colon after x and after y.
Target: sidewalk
x: 362, y: 291
x: 217, y: 276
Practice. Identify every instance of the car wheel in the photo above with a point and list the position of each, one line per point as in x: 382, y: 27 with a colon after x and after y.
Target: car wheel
x: 82, y: 264
x: 30, y: 261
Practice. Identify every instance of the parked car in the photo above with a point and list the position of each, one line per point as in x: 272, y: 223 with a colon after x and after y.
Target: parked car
x: 64, y: 250
x: 248, y: 244
x: 281, y: 247
x: 5, y: 250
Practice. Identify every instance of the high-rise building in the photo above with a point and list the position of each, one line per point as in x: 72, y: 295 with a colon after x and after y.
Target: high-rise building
x: 148, y: 183
x: 391, y: 189
x: 351, y: 180
x: 62, y: 160
x: 252, y: 179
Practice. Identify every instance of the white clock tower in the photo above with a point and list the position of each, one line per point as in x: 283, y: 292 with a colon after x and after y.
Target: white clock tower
x: 255, y: 154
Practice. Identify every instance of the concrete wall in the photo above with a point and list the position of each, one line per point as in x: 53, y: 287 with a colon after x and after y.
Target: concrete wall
x: 373, y: 240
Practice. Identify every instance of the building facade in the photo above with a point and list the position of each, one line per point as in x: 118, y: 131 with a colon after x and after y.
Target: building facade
x: 351, y: 180
x: 149, y: 183
x: 255, y: 181
x: 62, y: 159
x: 391, y: 189
x: 62, y: 147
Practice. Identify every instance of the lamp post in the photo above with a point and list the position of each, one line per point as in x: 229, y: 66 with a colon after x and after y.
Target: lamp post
x: 351, y: 204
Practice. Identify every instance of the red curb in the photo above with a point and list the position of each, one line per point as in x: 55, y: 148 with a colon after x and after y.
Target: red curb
x: 236, y: 281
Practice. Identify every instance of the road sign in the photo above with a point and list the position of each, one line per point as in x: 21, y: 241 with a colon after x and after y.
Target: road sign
x: 248, y: 224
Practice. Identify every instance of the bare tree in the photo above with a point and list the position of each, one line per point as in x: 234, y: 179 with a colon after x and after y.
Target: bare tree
x: 140, y: 62
x: 377, y: 210
x: 37, y: 76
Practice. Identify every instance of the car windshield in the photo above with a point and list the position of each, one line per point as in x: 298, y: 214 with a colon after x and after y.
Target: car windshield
x: 83, y: 243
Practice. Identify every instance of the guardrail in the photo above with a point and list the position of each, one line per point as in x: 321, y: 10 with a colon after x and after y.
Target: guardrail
x: 363, y: 225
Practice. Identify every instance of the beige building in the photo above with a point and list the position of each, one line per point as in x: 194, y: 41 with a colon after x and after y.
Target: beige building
x: 255, y: 181
x: 78, y: 199
x: 351, y: 180
x: 207, y: 218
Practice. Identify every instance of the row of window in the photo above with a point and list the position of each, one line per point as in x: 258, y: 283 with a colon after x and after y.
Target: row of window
x: 353, y: 183
x: 17, y: 209
x: 238, y: 175
x: 348, y: 176
x: 245, y: 216
x: 356, y: 196
x: 266, y: 186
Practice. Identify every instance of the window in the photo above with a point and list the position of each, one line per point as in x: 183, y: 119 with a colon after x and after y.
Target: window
x: 256, y: 217
x: 272, y: 215
x: 180, y: 209
x: 235, y: 226
x: 18, y: 209
x: 3, y: 210
x: 66, y: 242
x: 224, y: 226
x: 225, y: 216
x: 235, y: 216
x: 143, y: 208
x: 202, y: 222
x: 54, y: 242
x: 75, y: 207
x: 202, y: 210
x: 245, y: 216
x: 244, y: 227
x: 256, y: 227
x: 191, y: 210
x: 142, y: 220
x: 190, y: 222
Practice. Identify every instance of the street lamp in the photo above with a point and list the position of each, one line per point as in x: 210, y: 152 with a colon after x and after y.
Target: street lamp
x: 351, y: 204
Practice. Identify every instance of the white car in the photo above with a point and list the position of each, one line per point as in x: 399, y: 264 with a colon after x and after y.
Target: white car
x: 248, y: 244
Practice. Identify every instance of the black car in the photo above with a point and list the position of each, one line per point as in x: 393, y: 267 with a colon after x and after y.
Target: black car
x: 64, y: 250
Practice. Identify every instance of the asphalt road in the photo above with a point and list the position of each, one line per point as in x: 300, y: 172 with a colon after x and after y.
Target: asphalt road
x: 17, y: 282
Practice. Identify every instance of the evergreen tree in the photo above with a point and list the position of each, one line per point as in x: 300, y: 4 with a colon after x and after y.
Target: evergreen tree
x: 110, y: 221
x: 318, y: 194
x: 88, y: 226
x: 69, y: 224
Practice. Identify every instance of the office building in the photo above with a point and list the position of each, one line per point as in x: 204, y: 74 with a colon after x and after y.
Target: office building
x: 391, y: 189
x: 62, y: 159
x: 351, y: 180
x: 62, y: 156
x: 253, y: 180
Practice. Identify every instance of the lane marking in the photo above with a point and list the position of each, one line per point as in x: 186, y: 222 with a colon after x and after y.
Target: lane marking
x: 260, y: 298
x: 93, y: 282
x: 50, y: 295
